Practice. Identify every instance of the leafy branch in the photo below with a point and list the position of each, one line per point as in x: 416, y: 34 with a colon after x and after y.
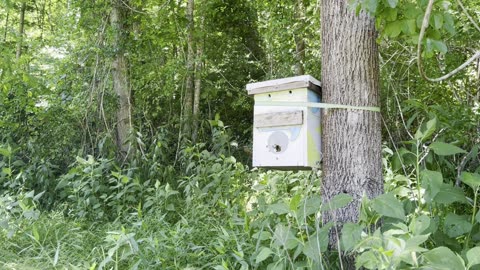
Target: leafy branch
x: 425, y: 23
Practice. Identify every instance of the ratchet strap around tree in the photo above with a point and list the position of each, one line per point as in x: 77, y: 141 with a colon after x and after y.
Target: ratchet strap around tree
x: 315, y: 105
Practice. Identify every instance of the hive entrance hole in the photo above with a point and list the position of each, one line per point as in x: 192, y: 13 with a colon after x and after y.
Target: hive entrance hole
x: 277, y: 148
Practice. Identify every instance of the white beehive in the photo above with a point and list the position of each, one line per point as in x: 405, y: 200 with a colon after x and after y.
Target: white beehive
x: 286, y: 137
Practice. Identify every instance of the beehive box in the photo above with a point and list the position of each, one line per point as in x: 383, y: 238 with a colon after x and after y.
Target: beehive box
x: 286, y: 137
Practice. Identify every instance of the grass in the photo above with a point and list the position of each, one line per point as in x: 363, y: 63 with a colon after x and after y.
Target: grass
x: 56, y: 242
x: 51, y: 242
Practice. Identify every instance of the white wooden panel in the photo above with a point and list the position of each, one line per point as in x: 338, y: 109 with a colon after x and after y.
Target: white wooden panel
x: 278, y: 119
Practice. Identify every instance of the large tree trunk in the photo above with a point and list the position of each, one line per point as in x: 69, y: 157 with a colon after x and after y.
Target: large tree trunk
x: 351, y: 142
x: 189, y: 87
x: 21, y: 30
x: 121, y: 84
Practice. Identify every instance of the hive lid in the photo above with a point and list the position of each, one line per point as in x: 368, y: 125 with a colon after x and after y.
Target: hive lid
x: 304, y: 81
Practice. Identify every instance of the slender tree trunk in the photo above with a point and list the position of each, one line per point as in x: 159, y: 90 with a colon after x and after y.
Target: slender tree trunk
x: 189, y: 87
x: 351, y: 142
x: 121, y: 84
x: 21, y: 30
x: 198, y: 90
x: 299, y: 38
x: 6, y: 26
x: 42, y: 26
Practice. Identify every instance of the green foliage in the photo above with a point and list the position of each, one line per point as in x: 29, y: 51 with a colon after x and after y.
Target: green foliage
x: 97, y: 190
x: 68, y: 202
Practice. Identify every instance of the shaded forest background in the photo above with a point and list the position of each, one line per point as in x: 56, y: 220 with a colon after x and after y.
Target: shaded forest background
x: 125, y: 137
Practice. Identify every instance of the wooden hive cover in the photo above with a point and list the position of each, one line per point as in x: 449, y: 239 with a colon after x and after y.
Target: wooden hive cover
x: 304, y: 81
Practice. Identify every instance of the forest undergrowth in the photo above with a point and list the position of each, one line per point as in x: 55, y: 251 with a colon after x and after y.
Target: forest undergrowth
x: 210, y: 211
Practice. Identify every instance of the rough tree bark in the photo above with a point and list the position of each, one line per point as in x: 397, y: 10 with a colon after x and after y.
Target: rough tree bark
x: 351, y: 142
x: 121, y: 84
x: 189, y: 85
x: 21, y: 30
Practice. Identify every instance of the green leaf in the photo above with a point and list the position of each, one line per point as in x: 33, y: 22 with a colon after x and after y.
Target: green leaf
x: 284, y: 237
x: 449, y: 194
x: 419, y: 224
x: 393, y: 29
x: 437, y: 20
x: 351, y: 235
x: 367, y: 260
x: 339, y: 201
x: 317, y: 243
x: 7, y: 171
x: 262, y: 235
x: 392, y: 3
x: 312, y: 249
x: 473, y: 256
x: 309, y: 206
x: 438, y: 45
x: 387, y: 205
x: 390, y: 14
x: 445, y: 149
x: 449, y: 24
x: 471, y: 179
x: 409, y: 27
x: 370, y: 6
x: 432, y: 182
x: 456, y: 225
x: 295, y: 201
x: 443, y: 258
x: 413, y: 244
x: 264, y: 253
x: 426, y: 130
x: 279, y: 208
x: 6, y: 152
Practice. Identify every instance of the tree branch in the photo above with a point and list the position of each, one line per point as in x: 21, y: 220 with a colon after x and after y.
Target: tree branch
x: 468, y: 15
x: 426, y: 19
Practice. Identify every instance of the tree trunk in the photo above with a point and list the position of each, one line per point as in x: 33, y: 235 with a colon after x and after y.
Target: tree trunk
x: 189, y: 87
x: 6, y: 26
x: 121, y: 84
x: 299, y: 38
x: 198, y: 90
x: 21, y: 30
x: 351, y: 143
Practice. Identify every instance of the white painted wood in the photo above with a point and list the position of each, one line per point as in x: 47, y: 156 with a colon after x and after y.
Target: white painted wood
x: 278, y: 119
x: 280, y: 139
x: 304, y: 81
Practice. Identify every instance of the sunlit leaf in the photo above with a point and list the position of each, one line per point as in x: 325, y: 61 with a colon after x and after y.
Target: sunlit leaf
x: 351, y: 235
x: 432, y: 182
x: 437, y: 20
x: 471, y: 179
x: 339, y: 201
x: 445, y: 149
x: 473, y: 256
x: 426, y: 130
x: 443, y: 258
x: 456, y: 225
x: 387, y: 205
x: 419, y: 224
x: 264, y: 253
x: 449, y: 194
x: 393, y: 29
x: 438, y: 45
x: 392, y: 3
